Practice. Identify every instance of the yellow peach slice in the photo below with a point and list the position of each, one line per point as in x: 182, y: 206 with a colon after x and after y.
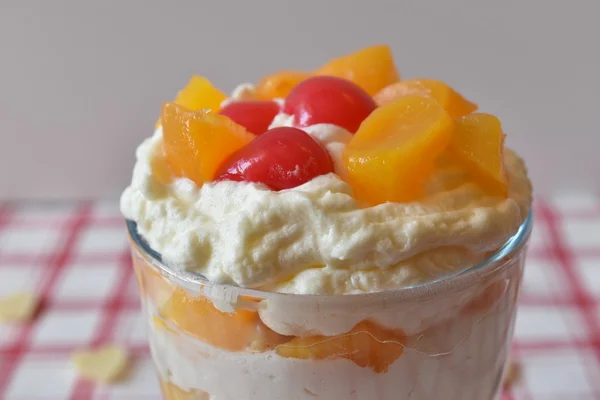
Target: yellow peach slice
x: 453, y: 102
x: 235, y: 331
x: 393, y: 152
x: 371, y: 68
x: 367, y: 345
x: 478, y: 143
x: 199, y: 94
x: 195, y: 143
x: 280, y: 84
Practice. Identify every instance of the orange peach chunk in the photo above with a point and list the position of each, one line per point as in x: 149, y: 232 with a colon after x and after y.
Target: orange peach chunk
x: 152, y: 284
x: 195, y: 143
x: 452, y: 101
x: 199, y: 94
x: 280, y: 84
x: 174, y: 392
x: 161, y: 170
x: 483, y: 303
x: 393, y: 152
x: 371, y: 68
x: 198, y: 316
x: 478, y: 143
x: 156, y: 287
x: 236, y: 331
x: 367, y: 345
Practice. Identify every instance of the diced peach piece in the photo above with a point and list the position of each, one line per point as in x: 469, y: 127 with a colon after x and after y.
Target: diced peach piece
x: 161, y: 325
x: 198, y: 316
x: 157, y: 287
x: 280, y: 84
x: 478, y: 143
x: 151, y: 283
x: 393, y: 152
x: 232, y: 331
x: 482, y: 304
x: 267, y: 339
x: 199, y: 94
x: 371, y: 68
x: 173, y: 392
x: 453, y: 102
x: 161, y: 169
x: 195, y: 143
x: 366, y: 345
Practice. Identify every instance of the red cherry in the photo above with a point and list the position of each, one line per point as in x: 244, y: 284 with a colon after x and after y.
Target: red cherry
x: 327, y: 99
x: 255, y: 116
x: 281, y: 158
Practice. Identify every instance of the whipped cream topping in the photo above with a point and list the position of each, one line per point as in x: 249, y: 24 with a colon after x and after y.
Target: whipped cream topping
x: 316, y: 238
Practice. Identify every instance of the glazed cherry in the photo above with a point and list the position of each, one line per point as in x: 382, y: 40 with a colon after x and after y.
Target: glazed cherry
x: 327, y: 99
x: 255, y: 116
x: 281, y: 158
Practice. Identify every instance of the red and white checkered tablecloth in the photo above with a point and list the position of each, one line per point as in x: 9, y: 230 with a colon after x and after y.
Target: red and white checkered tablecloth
x: 76, y: 256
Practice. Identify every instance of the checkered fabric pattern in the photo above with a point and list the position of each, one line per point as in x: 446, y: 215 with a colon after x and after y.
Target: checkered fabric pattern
x: 76, y: 256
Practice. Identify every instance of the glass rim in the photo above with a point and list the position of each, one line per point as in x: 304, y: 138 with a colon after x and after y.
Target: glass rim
x: 460, y: 279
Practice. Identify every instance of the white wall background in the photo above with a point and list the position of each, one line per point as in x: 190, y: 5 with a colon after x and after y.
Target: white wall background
x: 81, y: 82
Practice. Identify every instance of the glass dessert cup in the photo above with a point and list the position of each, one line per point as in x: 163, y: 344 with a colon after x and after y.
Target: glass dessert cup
x: 444, y: 339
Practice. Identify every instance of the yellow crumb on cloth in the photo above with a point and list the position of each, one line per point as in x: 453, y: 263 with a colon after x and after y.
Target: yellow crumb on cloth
x: 512, y: 375
x: 18, y: 307
x: 104, y: 365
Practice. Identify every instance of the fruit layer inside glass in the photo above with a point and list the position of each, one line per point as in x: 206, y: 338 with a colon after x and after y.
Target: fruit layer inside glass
x: 447, y: 339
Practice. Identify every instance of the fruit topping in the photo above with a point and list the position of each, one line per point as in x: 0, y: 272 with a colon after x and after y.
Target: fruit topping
x: 392, y: 154
x: 255, y: 116
x: 398, y: 134
x: 161, y: 170
x: 366, y: 345
x: 280, y: 84
x: 371, y: 68
x: 454, y: 104
x: 478, y: 143
x: 195, y: 143
x: 199, y: 94
x: 281, y: 158
x: 327, y: 99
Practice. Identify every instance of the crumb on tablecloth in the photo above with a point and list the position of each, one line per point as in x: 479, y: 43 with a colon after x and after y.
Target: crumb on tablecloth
x: 103, y: 365
x: 512, y: 375
x: 18, y: 307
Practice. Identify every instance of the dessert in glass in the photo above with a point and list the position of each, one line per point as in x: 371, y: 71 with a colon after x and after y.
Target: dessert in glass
x: 336, y: 234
